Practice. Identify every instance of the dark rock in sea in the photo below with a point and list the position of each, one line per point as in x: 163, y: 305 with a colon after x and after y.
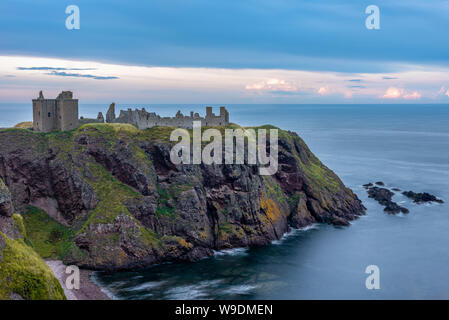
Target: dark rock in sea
x: 420, y: 198
x: 396, y: 189
x: 393, y: 208
x: 380, y: 183
x: 368, y: 185
x: 384, y: 197
x: 129, y: 206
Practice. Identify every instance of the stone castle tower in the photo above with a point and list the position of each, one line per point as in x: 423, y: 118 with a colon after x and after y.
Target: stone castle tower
x: 60, y: 114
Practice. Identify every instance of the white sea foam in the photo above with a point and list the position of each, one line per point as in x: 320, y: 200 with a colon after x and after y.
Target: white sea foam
x: 294, y: 232
x: 240, y: 289
x: 146, y: 286
x: 185, y: 293
x: 232, y: 252
x: 190, y: 292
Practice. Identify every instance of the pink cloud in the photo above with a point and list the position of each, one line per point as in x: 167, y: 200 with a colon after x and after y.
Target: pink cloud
x: 393, y: 93
x: 447, y: 93
x: 412, y: 96
x: 323, y: 91
x: 272, y: 85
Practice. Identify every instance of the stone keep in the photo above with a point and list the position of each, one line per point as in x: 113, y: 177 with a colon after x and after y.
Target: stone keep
x: 60, y: 114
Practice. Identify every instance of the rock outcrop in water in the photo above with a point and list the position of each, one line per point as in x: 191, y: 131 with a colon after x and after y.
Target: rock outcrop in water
x: 384, y: 197
x: 421, y: 197
x: 127, y: 205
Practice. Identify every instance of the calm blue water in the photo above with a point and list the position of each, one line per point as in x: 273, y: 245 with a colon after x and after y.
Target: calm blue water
x: 406, y: 146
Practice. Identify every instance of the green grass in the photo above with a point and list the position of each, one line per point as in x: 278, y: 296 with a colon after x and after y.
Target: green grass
x: 23, y: 272
x: 24, y: 125
x: 50, y: 239
x: 163, y: 210
x: 18, y: 222
x: 111, y: 194
x: 274, y: 191
x: 321, y: 176
x: 226, y: 227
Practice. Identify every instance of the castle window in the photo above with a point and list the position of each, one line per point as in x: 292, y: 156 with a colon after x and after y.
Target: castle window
x: 49, y: 114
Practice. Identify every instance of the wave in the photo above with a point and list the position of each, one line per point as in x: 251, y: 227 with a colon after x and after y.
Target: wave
x: 191, y: 292
x: 104, y: 289
x: 231, y: 252
x: 239, y: 289
x: 294, y: 232
x: 146, y: 286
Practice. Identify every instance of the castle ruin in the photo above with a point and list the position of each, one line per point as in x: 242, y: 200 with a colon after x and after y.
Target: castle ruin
x: 143, y: 119
x: 61, y: 114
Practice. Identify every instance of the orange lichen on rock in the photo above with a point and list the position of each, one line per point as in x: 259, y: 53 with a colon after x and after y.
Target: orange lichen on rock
x: 270, y: 208
x: 184, y: 243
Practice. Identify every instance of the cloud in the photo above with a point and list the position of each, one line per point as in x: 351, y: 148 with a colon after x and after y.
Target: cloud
x: 443, y: 91
x: 273, y: 85
x: 412, y: 96
x: 78, y: 75
x: 323, y: 91
x: 140, y: 84
x: 395, y: 93
x: 355, y: 80
x: 357, y: 87
x: 51, y: 68
x: 389, y: 78
x: 59, y: 71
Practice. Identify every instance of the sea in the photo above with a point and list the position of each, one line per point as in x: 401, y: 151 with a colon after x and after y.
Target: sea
x: 405, y: 146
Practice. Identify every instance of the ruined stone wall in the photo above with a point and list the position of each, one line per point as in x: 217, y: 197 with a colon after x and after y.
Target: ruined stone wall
x: 143, y: 119
x: 99, y: 119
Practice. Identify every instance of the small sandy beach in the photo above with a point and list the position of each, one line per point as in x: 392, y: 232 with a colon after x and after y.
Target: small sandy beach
x: 88, y: 289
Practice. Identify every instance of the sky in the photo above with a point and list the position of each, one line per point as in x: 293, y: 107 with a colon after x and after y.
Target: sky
x: 233, y: 51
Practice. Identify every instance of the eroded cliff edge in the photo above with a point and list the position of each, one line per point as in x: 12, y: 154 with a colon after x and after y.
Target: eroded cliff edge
x: 124, y: 204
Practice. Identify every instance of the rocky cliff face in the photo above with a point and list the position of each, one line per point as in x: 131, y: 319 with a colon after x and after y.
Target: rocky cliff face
x: 129, y: 206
